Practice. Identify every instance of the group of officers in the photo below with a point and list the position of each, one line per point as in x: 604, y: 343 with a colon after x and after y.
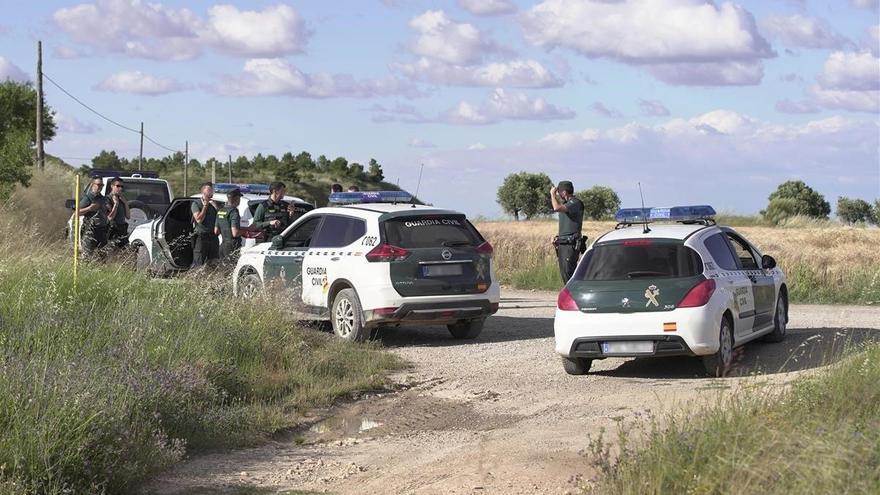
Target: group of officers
x: 105, y: 218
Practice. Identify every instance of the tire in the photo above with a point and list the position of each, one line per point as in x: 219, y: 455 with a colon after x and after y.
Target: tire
x: 347, y: 317
x: 142, y: 259
x: 249, y: 285
x: 576, y: 366
x: 719, y: 364
x: 466, y: 329
x: 143, y: 210
x: 780, y: 320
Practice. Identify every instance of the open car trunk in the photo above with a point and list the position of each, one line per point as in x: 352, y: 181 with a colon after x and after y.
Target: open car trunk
x: 173, y: 233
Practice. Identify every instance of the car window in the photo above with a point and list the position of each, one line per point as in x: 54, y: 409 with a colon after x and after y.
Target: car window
x: 145, y: 192
x: 431, y: 232
x: 301, y: 236
x: 743, y: 252
x: 719, y: 248
x: 640, y: 258
x: 338, y: 231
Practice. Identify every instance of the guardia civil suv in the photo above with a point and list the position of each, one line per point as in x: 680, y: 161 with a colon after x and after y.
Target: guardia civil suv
x: 373, y: 260
x: 669, y: 282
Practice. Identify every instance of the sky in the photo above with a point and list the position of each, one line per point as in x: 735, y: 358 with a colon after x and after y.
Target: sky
x: 701, y: 102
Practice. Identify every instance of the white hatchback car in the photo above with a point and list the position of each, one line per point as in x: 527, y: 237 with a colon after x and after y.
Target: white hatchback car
x: 375, y: 261
x: 686, y: 287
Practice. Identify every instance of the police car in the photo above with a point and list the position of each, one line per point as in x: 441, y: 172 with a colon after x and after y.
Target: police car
x: 668, y: 282
x: 375, y: 260
x: 163, y: 245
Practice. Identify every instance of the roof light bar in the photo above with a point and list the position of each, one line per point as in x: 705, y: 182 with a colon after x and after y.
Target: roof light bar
x: 225, y: 187
x: 353, y: 198
x: 667, y: 214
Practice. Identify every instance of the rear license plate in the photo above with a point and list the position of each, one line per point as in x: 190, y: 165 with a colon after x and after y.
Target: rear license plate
x: 628, y: 347
x: 450, y: 270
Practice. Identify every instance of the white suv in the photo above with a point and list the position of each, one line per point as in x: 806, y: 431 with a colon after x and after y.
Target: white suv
x: 372, y: 264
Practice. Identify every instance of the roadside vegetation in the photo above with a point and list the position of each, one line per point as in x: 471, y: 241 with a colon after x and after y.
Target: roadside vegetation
x: 825, y: 262
x: 107, y: 384
x: 820, y: 435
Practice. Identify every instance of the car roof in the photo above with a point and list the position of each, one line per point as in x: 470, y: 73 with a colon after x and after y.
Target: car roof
x: 657, y: 231
x: 394, y: 209
x: 256, y: 197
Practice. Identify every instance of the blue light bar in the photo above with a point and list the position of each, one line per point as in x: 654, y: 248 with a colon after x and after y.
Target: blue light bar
x: 225, y: 187
x: 669, y: 214
x: 353, y: 198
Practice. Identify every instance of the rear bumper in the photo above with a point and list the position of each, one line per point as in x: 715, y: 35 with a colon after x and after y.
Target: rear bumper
x: 432, y: 313
x: 664, y: 345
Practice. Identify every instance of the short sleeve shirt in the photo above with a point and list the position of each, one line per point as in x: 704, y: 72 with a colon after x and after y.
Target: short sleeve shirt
x: 227, y: 218
x: 97, y: 218
x: 571, y: 221
x: 119, y: 219
x: 207, y: 225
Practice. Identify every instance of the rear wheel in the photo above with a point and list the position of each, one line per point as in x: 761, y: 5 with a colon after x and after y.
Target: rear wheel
x: 466, y: 329
x: 348, y: 317
x: 780, y: 320
x: 576, y: 366
x: 249, y: 285
x: 718, y: 364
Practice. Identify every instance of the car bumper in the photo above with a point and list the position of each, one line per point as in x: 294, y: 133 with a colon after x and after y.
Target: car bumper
x: 581, y: 335
x: 433, y: 310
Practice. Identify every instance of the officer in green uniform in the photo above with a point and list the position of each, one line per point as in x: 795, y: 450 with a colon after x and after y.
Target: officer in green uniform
x: 117, y: 235
x: 273, y: 215
x: 229, y: 227
x: 571, y: 218
x: 206, y: 247
x: 94, y: 207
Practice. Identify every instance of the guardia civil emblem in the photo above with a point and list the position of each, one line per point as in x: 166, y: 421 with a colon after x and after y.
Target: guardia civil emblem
x: 652, y: 293
x: 624, y: 302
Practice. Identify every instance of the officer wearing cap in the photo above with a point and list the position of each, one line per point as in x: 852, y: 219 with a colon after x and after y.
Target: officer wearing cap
x: 571, y: 219
x: 229, y: 226
x: 273, y: 215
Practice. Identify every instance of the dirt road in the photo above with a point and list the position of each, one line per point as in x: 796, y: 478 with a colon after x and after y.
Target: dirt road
x: 499, y: 415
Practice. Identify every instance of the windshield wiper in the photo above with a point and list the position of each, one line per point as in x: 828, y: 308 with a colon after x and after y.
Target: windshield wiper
x: 645, y: 274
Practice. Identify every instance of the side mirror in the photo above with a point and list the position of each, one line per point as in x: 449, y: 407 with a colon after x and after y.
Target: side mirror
x: 70, y: 204
x: 768, y: 262
x: 277, y: 242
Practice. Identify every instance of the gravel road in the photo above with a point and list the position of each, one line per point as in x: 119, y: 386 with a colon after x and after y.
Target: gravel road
x: 499, y: 415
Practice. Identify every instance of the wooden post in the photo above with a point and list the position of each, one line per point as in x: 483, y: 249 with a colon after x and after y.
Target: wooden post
x: 185, y: 166
x: 230, y: 169
x: 76, y: 193
x: 41, y: 156
x: 141, y: 156
x: 213, y: 170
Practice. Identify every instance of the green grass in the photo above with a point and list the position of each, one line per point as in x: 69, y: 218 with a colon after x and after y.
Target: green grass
x: 820, y: 436
x: 106, y: 385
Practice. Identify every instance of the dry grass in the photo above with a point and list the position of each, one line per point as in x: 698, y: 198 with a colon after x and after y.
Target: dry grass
x: 825, y: 262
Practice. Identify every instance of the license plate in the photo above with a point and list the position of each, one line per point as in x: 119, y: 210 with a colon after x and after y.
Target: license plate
x: 450, y: 270
x: 628, y: 347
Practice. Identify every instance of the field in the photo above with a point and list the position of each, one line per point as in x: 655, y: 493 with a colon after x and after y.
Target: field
x: 825, y: 262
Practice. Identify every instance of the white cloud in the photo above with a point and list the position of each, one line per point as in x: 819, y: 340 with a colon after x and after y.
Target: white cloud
x: 272, y: 76
x: 440, y: 38
x: 138, y: 82
x: 605, y: 111
x: 511, y: 74
x: 866, y: 4
x: 11, y: 72
x: 488, y: 7
x: 72, y: 125
x: 680, y: 41
x: 421, y: 143
x: 849, y: 81
x: 796, y: 107
x: 653, y: 108
x: 801, y: 31
x: 154, y: 31
x: 872, y: 40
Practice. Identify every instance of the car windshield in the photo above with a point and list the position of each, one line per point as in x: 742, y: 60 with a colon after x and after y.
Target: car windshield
x: 152, y: 193
x: 431, y: 231
x: 640, y: 258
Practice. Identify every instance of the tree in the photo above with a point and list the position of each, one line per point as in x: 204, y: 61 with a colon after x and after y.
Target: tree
x: 18, y: 123
x: 779, y: 209
x: 804, y: 201
x: 109, y: 160
x: 339, y: 167
x: 304, y: 161
x: 15, y: 162
x: 375, y: 173
x: 323, y: 164
x: 855, y: 211
x: 525, y: 193
x: 877, y: 212
x: 356, y: 171
x: 600, y: 202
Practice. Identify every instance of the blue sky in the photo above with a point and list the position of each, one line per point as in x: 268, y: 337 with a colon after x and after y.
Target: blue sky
x: 702, y: 102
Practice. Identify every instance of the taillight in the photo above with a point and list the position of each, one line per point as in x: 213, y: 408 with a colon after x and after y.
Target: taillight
x: 387, y: 252
x: 384, y: 311
x: 252, y: 234
x: 485, y: 249
x: 699, y: 295
x: 565, y: 302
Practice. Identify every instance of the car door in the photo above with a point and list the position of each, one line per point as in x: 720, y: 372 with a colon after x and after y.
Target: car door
x: 329, y: 257
x: 172, y: 232
x: 763, y: 286
x: 734, y: 281
x: 283, y: 268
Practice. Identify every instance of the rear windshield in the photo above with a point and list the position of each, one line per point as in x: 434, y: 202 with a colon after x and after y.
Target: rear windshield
x: 431, y: 231
x: 642, y: 258
x: 154, y: 193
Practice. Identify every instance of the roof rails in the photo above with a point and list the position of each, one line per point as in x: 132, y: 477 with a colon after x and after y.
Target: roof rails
x: 109, y: 172
x: 353, y: 198
x: 702, y: 214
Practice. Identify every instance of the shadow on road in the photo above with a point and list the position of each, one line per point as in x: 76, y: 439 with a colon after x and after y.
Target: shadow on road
x: 498, y: 329
x: 802, y: 349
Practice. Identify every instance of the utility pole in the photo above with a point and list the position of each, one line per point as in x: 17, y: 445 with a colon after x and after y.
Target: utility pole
x: 185, y: 165
x: 230, y: 169
x: 213, y: 170
x: 141, y: 156
x: 41, y: 156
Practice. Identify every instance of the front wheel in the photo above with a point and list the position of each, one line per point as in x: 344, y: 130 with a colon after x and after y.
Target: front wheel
x: 466, y: 329
x: 780, y: 320
x: 347, y: 316
x: 718, y: 364
x: 249, y: 285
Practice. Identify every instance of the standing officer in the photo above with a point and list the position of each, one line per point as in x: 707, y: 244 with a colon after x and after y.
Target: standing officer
x: 273, y: 215
x: 94, y: 207
x: 204, y: 212
x: 119, y: 214
x: 571, y: 219
x: 229, y: 227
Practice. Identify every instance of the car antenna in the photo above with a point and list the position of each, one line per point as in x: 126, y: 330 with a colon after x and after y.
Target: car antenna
x: 418, y: 185
x: 646, y: 230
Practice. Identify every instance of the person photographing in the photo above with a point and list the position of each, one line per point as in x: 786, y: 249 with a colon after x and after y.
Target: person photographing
x: 569, y: 241
x: 206, y: 247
